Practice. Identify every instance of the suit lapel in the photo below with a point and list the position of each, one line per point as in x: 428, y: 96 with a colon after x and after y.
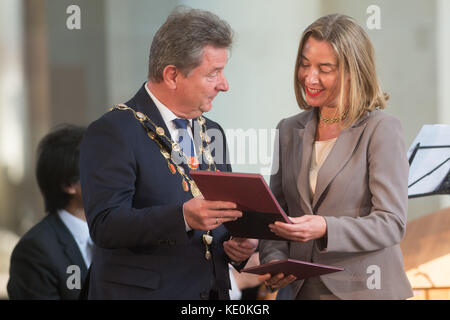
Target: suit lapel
x: 339, y: 155
x: 67, y: 241
x: 303, y: 141
x: 143, y: 103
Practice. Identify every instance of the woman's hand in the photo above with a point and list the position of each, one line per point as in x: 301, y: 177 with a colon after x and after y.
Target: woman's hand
x: 304, y: 228
x: 276, y: 281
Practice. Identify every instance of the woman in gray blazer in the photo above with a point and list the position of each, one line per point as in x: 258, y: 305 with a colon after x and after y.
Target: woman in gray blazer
x: 342, y: 174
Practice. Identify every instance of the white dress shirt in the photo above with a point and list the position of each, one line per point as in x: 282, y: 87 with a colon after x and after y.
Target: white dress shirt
x: 168, y: 117
x: 80, y: 231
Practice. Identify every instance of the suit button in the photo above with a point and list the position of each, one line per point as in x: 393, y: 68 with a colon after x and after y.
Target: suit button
x: 204, y: 295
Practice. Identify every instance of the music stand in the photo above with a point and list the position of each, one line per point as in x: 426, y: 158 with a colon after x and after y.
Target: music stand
x: 429, y: 161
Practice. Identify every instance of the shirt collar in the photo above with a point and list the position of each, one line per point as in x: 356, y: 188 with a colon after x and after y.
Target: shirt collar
x: 165, y: 112
x: 79, y: 228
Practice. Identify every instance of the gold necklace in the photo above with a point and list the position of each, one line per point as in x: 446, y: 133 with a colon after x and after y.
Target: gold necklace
x: 173, y: 166
x: 332, y: 120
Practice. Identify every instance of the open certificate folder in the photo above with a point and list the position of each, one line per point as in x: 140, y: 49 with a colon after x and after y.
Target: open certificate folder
x: 300, y: 269
x: 251, y: 194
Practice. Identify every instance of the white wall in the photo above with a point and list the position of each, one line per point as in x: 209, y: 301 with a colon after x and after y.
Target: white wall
x: 130, y: 27
x: 13, y: 124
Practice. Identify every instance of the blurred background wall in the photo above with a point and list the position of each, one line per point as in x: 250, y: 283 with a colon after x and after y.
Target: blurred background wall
x: 51, y: 74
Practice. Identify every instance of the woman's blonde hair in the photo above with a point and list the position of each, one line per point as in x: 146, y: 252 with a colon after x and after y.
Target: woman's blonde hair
x: 356, y: 58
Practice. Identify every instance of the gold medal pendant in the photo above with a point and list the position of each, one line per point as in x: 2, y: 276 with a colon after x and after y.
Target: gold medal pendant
x: 140, y: 116
x: 160, y: 131
x: 193, y: 163
x: 207, y: 241
x: 176, y: 147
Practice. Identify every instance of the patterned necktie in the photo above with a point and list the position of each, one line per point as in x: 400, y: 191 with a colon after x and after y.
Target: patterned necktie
x: 185, y: 140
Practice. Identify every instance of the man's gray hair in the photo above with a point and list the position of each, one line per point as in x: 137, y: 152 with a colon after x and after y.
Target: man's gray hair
x: 181, y: 39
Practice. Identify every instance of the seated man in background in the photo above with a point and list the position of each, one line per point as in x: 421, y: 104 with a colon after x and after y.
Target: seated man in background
x: 51, y: 260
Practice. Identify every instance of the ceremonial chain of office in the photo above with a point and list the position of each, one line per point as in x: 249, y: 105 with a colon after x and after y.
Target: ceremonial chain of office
x: 187, y: 183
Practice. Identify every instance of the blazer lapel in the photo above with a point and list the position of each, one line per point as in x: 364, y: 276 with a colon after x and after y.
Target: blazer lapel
x: 67, y: 241
x: 303, y: 141
x: 143, y: 103
x: 339, y: 155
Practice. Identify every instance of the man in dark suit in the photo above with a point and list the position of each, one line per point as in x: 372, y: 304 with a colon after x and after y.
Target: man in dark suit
x: 157, y: 237
x: 51, y: 259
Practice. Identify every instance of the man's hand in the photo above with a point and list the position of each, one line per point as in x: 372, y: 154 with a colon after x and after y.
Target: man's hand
x: 240, y: 249
x: 205, y: 215
x: 304, y: 228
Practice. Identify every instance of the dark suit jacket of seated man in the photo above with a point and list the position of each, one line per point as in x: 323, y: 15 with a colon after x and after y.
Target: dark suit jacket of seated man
x: 51, y: 259
x: 139, y: 203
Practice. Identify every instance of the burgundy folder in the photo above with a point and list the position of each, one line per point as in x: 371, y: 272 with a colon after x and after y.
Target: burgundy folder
x: 300, y: 269
x: 251, y: 194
